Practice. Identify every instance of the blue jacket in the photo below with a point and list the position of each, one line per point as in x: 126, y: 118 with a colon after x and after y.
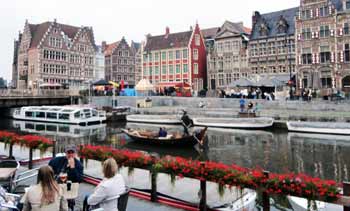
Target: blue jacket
x: 59, y: 164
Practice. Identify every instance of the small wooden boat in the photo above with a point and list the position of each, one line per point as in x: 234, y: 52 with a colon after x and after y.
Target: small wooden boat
x: 341, y: 128
x: 239, y: 123
x: 154, y: 119
x: 178, y: 139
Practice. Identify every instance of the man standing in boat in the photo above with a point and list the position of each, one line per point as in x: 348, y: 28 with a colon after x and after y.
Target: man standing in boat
x: 187, y: 122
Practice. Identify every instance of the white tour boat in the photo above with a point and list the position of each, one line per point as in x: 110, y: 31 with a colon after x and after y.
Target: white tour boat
x: 245, y: 202
x: 301, y: 204
x: 154, y: 119
x: 61, y: 114
x: 341, y: 128
x: 239, y: 123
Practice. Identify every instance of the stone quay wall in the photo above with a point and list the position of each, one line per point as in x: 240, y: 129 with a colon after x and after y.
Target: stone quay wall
x: 227, y: 107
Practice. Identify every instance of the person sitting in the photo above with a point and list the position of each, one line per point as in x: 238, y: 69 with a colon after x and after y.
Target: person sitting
x: 162, y: 132
x: 68, y: 164
x: 250, y: 107
x: 106, y: 194
x: 46, y: 195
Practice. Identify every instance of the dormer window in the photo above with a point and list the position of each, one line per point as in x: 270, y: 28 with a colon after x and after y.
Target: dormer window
x: 264, y: 30
x: 282, y: 25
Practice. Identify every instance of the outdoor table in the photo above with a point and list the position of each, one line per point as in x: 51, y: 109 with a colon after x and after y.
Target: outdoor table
x: 5, y: 173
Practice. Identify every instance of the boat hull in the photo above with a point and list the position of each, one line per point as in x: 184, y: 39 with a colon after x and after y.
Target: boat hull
x: 238, y: 123
x: 335, y: 128
x: 184, y: 141
x: 153, y: 119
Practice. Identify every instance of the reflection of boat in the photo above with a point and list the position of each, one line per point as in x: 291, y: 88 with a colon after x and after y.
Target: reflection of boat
x: 319, y: 138
x: 300, y: 204
x: 246, y: 202
x: 60, y: 114
x: 177, y: 138
x: 154, y: 119
x: 320, y: 127
x: 55, y: 129
x: 241, y: 123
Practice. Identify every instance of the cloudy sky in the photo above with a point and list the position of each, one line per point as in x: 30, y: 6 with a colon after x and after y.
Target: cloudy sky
x: 112, y: 19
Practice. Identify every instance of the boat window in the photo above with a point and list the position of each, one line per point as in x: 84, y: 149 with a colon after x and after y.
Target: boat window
x: 67, y: 110
x: 64, y: 129
x: 87, y: 115
x: 86, y: 110
x: 94, y: 113
x: 64, y: 116
x: 40, y: 114
x: 51, y: 115
x: 52, y: 128
x: 39, y: 127
x: 29, y: 126
x: 77, y: 114
x: 29, y: 114
x: 76, y: 131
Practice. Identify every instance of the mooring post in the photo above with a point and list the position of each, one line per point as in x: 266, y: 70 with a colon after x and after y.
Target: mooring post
x: 265, y: 195
x: 53, y: 149
x: 203, y: 192
x: 30, y: 164
x: 153, y: 186
x: 11, y: 151
x: 346, y: 192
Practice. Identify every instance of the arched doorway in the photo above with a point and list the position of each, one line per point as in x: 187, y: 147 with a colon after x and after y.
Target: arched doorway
x: 346, y: 84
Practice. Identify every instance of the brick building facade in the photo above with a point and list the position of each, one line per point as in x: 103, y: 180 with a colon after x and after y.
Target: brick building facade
x: 119, y: 62
x: 227, y: 58
x: 175, y: 58
x: 272, y: 43
x: 55, y: 53
x: 323, y: 45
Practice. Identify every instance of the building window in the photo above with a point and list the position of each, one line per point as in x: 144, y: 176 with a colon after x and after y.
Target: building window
x: 324, y: 11
x: 156, y: 70
x: 346, y: 28
x: 197, y: 40
x: 195, y: 54
x: 347, y: 4
x: 195, y: 68
x: 306, y: 56
x: 163, y: 56
x: 305, y: 14
x: 156, y: 57
x: 325, y: 55
x: 171, y: 55
x: 171, y: 69
x: 306, y: 33
x: 221, y: 79
x: 177, y: 54
x: 347, y: 52
x: 178, y: 69
x: 185, y: 68
x: 184, y: 54
x: 150, y: 57
x: 163, y: 69
x: 324, y: 31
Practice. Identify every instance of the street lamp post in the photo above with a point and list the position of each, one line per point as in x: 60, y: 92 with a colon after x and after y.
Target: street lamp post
x: 289, y: 52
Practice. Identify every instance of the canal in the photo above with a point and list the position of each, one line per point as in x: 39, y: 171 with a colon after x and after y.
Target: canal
x: 324, y: 156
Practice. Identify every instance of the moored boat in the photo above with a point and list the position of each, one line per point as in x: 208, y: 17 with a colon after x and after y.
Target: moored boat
x: 177, y: 138
x: 154, y: 119
x: 341, y: 128
x: 239, y: 123
x: 84, y: 115
x: 301, y: 204
x: 245, y: 202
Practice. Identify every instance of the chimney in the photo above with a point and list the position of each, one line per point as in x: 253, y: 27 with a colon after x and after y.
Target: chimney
x: 255, y: 18
x: 103, y: 45
x: 167, y: 32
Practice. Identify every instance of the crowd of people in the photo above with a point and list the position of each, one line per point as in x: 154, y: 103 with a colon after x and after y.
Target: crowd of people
x: 246, y: 93
x: 62, y: 172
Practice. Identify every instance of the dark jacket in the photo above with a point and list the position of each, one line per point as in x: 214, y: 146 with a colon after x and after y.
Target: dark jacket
x: 59, y: 164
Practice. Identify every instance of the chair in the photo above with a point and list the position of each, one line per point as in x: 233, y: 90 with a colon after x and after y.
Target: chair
x: 8, y: 170
x: 11, y: 206
x: 123, y: 200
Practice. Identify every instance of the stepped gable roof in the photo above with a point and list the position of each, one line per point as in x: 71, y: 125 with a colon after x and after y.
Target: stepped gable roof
x: 110, y: 47
x: 38, y: 31
x: 135, y: 46
x: 210, y: 32
x: 172, y: 40
x: 270, y: 20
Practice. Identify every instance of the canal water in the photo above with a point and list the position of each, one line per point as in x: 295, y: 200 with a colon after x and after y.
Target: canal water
x: 324, y: 156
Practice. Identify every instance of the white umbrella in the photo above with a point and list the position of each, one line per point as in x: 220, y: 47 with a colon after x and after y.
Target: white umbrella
x: 144, y: 85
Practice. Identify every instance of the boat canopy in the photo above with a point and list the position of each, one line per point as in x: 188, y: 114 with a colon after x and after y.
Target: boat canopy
x: 61, y: 109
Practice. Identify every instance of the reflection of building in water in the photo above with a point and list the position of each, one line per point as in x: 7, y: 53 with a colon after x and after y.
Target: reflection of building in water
x: 324, y: 156
x: 64, y: 134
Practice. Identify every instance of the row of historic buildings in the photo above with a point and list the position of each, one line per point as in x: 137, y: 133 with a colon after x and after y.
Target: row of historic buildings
x: 309, y: 44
